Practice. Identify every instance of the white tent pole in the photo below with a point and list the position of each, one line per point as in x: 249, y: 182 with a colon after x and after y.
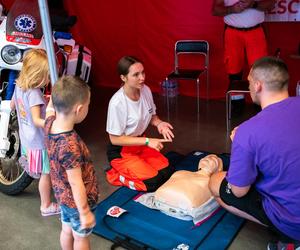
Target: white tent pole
x: 48, y: 37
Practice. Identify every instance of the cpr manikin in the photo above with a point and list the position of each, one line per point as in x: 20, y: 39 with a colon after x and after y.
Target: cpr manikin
x: 186, y: 194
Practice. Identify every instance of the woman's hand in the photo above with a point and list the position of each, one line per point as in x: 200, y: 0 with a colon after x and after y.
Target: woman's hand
x: 157, y: 144
x: 164, y: 128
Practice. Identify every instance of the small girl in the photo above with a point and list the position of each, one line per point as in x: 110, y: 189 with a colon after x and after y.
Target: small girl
x: 30, y: 105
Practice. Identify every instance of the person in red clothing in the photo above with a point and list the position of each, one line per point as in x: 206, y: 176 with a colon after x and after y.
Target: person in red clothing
x: 135, y: 160
x: 244, y: 37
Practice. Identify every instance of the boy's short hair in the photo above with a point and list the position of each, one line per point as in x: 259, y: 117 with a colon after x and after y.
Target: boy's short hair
x: 67, y: 92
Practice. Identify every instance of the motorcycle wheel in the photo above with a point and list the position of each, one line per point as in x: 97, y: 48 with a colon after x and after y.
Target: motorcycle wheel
x: 13, y: 178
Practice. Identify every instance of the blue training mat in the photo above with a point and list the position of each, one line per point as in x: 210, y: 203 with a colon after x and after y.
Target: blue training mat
x: 144, y: 228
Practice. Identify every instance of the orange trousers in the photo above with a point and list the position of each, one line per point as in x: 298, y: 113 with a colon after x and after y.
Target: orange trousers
x: 138, y: 167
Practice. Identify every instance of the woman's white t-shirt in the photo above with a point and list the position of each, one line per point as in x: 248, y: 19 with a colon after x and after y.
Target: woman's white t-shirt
x: 128, y: 117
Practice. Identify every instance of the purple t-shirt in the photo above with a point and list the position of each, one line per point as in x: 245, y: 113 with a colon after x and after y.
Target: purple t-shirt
x: 31, y: 136
x: 265, y: 152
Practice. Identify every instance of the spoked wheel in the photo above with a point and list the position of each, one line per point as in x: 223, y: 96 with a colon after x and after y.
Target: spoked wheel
x: 13, y: 178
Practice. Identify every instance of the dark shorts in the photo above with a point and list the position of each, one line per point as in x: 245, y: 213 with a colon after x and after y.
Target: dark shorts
x: 251, y: 204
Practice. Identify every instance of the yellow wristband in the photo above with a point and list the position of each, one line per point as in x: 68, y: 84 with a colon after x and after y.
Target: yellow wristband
x: 147, y: 141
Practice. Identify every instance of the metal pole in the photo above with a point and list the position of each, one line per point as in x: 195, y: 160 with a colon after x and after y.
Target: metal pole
x: 48, y: 37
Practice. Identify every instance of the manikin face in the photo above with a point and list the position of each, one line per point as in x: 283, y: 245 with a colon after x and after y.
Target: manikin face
x: 135, y: 77
x: 253, y: 89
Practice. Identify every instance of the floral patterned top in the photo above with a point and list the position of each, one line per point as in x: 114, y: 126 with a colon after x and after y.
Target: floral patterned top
x: 68, y: 151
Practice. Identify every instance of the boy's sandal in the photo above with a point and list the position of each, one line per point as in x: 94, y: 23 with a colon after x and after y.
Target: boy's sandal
x: 51, y: 210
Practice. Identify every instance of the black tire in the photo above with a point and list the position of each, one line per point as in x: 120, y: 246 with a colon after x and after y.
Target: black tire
x: 13, y: 178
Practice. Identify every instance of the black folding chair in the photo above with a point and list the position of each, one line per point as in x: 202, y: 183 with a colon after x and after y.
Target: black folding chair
x: 191, y: 47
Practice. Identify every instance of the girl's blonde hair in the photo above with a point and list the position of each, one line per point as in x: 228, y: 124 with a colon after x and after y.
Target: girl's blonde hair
x: 35, y: 70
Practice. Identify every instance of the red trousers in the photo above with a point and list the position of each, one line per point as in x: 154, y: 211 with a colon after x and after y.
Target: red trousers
x: 140, y: 168
x: 241, y: 44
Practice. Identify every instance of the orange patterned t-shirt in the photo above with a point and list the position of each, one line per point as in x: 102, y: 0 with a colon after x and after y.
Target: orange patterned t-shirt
x: 67, y: 151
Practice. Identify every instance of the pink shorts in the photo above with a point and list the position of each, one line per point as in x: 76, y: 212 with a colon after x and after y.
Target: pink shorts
x: 37, y: 161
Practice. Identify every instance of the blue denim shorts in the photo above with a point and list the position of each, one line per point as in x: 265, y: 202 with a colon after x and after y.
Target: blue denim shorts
x: 70, y: 217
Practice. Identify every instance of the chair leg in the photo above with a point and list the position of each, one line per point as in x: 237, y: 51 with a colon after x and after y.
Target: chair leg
x: 207, y: 85
x: 228, y: 111
x: 168, y: 102
x: 229, y: 107
x: 198, y: 96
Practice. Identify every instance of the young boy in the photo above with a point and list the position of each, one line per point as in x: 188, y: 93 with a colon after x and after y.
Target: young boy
x: 71, y: 170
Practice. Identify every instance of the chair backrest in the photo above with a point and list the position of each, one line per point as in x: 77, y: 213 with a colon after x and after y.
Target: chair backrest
x: 192, y: 47
x: 238, y: 85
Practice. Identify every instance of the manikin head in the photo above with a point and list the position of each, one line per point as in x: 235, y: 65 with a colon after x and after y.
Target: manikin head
x: 210, y: 164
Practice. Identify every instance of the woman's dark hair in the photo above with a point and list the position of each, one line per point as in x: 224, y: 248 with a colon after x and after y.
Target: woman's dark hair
x: 125, y: 63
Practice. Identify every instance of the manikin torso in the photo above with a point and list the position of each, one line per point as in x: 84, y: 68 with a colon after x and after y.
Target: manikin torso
x: 190, y: 189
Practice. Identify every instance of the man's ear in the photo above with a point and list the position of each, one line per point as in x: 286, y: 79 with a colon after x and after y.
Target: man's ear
x: 258, y: 86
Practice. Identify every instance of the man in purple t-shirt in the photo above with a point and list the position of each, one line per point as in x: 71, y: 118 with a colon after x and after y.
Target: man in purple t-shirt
x: 263, y: 180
